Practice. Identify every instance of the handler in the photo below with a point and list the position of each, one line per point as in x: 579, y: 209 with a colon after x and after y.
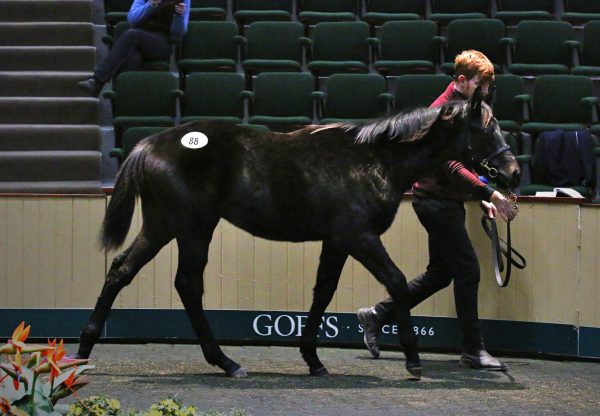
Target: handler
x: 153, y: 23
x: 438, y: 203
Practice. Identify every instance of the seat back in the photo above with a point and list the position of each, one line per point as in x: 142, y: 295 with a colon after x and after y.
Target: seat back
x: 590, y: 52
x: 460, y: 6
x: 543, y: 42
x: 480, y: 34
x: 409, y: 40
x: 355, y: 96
x: 264, y: 5
x: 111, y: 6
x: 414, y: 91
x: 210, y: 40
x: 557, y: 99
x: 582, y: 6
x: 341, y: 41
x: 214, y: 94
x: 274, y: 40
x: 507, y: 88
x: 133, y: 135
x: 329, y: 6
x: 525, y: 6
x: 395, y: 6
x: 145, y: 93
x: 283, y: 94
x: 208, y: 9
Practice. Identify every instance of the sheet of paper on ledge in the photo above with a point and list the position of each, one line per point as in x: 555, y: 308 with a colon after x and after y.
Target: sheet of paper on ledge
x: 560, y: 192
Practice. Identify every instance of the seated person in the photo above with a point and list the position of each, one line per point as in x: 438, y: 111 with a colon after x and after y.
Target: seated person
x: 153, y: 23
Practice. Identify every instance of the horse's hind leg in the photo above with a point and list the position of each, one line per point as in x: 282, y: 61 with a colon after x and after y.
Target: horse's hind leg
x: 189, y: 282
x: 369, y: 250
x: 328, y: 276
x: 122, y: 271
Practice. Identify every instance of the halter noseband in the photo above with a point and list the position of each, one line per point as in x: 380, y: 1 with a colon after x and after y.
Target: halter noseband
x: 484, y: 163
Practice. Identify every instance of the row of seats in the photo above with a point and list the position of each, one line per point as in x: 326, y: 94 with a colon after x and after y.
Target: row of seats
x: 150, y: 99
x: 540, y: 47
x: 375, y: 12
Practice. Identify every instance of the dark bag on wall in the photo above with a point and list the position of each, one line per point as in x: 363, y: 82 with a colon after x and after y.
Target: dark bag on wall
x: 565, y: 158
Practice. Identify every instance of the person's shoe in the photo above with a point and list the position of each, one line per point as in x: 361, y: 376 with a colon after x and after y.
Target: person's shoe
x: 481, y: 360
x: 371, y: 327
x: 92, y: 86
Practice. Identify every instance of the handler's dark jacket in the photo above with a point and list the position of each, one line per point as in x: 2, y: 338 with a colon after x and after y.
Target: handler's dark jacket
x: 452, y: 181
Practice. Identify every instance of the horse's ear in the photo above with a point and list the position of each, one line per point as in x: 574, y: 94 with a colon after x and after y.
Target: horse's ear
x: 475, y: 104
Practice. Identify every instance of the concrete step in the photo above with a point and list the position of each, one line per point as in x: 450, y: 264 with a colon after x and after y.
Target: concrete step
x: 15, y: 137
x: 42, y: 83
x: 46, y: 10
x: 47, y: 58
x: 46, y: 34
x: 49, y: 166
x: 48, y: 110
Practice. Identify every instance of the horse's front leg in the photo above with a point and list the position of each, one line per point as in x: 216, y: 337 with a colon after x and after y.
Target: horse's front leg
x: 369, y: 250
x: 189, y: 282
x: 328, y: 276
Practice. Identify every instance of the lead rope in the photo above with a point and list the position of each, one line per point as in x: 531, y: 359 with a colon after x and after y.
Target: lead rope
x: 503, y: 248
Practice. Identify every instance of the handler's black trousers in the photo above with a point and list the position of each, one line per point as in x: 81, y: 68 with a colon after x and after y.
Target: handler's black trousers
x: 451, y: 257
x: 129, y: 51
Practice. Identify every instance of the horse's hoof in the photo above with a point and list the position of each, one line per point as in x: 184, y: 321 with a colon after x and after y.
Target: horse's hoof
x: 319, y: 372
x: 415, y: 370
x: 239, y: 373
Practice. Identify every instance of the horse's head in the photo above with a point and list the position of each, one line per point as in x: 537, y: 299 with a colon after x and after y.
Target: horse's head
x: 488, y: 152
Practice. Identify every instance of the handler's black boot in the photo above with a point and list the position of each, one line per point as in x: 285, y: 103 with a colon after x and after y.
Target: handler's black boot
x: 481, y: 360
x: 92, y: 86
x: 371, y: 326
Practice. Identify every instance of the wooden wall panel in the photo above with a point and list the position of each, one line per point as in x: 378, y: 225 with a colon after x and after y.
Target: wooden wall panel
x: 589, y: 299
x: 49, y: 257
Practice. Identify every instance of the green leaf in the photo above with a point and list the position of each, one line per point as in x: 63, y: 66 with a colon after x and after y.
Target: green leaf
x: 61, y: 409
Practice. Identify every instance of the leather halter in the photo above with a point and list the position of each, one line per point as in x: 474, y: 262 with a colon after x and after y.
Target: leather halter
x: 502, y: 248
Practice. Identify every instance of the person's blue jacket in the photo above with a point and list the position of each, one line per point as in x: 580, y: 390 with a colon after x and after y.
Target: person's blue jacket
x: 141, y: 9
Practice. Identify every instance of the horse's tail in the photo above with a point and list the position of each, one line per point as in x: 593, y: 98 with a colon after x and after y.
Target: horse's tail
x: 117, y: 219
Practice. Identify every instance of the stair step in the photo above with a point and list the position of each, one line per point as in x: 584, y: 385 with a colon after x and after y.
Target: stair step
x: 46, y: 10
x: 27, y: 166
x: 46, y: 34
x: 15, y: 137
x: 48, y: 110
x: 56, y: 187
x: 42, y: 84
x: 47, y: 58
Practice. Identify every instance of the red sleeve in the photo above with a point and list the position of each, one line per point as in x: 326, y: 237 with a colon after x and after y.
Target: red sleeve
x: 468, y: 179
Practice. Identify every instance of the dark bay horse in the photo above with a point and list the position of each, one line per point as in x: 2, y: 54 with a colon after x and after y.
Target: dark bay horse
x: 340, y: 184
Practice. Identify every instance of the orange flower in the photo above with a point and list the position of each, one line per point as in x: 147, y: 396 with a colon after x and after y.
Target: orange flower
x: 15, y: 371
x: 53, y: 356
x: 4, y: 407
x: 17, y: 341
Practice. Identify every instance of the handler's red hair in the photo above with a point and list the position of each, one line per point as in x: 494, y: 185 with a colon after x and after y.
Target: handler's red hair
x: 471, y: 63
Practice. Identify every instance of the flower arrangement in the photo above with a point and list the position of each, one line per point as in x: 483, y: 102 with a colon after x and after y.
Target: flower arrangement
x: 32, y: 381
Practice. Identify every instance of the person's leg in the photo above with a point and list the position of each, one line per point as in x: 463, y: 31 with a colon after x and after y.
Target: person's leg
x: 133, y: 46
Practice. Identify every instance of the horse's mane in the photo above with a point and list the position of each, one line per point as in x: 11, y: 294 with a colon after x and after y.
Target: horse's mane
x: 412, y: 125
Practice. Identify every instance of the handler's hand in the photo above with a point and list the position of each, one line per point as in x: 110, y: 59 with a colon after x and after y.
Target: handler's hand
x: 489, y: 209
x: 180, y: 9
x: 503, y: 207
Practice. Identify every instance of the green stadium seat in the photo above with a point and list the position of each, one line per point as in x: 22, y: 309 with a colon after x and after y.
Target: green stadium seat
x: 581, y: 11
x: 413, y: 91
x: 340, y: 47
x: 484, y: 35
x: 209, y: 47
x: 248, y: 11
x: 214, y: 96
x: 274, y: 46
x: 444, y: 11
x: 355, y: 97
x: 590, y: 51
x: 115, y: 11
x: 312, y: 12
x: 561, y: 102
x: 543, y: 48
x: 143, y: 98
x: 407, y: 47
x: 508, y: 102
x: 208, y: 9
x: 283, y: 99
x: 380, y: 11
x: 513, y: 11
x: 131, y: 137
